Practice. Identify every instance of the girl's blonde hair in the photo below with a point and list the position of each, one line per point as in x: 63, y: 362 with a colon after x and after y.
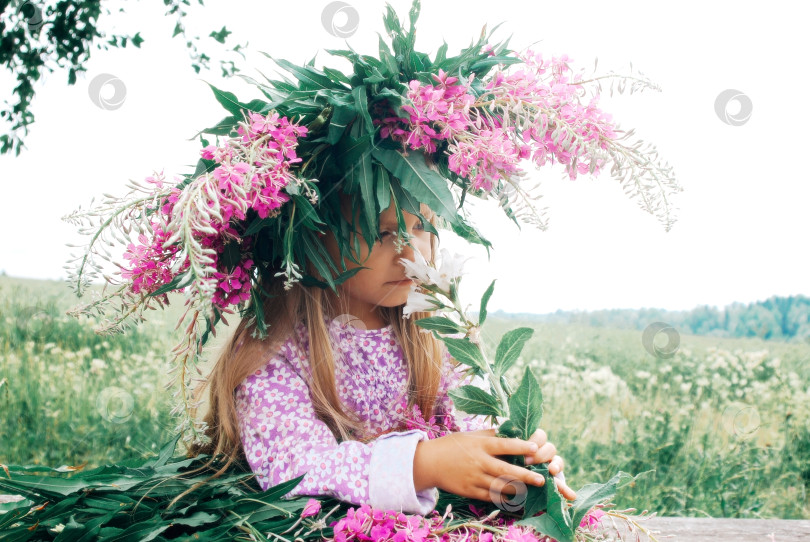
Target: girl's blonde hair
x: 243, y: 354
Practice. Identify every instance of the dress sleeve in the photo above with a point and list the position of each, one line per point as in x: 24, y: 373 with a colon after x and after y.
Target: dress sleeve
x: 283, y: 438
x: 453, y: 376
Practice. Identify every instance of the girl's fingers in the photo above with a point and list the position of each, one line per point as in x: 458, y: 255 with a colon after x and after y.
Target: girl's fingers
x: 539, y: 437
x: 504, y: 472
x: 556, y: 466
x: 543, y: 455
x: 512, y: 446
x: 566, y: 491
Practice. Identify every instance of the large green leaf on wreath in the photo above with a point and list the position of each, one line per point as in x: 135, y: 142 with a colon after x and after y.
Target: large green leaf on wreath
x: 423, y: 183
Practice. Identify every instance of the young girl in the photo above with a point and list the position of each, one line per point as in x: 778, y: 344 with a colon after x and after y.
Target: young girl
x: 331, y: 391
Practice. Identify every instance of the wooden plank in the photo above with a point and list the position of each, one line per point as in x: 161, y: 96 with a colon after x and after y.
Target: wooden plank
x: 672, y: 529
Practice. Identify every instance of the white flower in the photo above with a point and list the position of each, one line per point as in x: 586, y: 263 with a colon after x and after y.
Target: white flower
x: 419, y: 270
x: 451, y: 268
x: 422, y: 272
x: 418, y: 302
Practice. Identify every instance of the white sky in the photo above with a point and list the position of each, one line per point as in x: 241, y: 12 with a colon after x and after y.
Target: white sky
x: 742, y: 216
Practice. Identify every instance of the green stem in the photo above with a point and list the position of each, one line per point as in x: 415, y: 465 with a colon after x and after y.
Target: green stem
x: 494, y: 381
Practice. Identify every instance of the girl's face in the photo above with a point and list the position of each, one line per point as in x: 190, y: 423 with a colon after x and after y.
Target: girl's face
x: 383, y: 284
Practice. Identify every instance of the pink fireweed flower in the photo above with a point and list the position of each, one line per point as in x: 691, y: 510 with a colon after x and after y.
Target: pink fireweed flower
x: 234, y: 287
x: 150, y: 263
x: 520, y: 534
x: 591, y: 519
x: 370, y: 524
x: 232, y: 176
x: 311, y: 508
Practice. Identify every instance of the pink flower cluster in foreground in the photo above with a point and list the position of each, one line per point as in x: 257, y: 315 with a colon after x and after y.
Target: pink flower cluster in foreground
x: 251, y: 173
x: 371, y: 524
x: 150, y: 262
x: 484, y: 147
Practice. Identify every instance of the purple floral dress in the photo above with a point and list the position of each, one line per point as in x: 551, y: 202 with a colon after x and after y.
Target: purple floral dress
x: 283, y: 438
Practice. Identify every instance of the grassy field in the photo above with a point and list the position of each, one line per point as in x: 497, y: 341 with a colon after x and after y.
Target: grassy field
x: 719, y: 428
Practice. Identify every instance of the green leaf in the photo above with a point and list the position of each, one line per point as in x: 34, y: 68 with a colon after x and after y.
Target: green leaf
x: 423, y: 183
x: 440, y: 324
x: 258, y: 224
x: 165, y: 453
x: 383, y: 186
x: 548, y: 526
x: 465, y: 351
x: 343, y: 113
x: 361, y: 106
x: 526, y: 405
x: 349, y: 150
x: 556, y: 522
x: 482, y: 314
x: 228, y: 101
x: 336, y: 76
x: 177, y: 283
x: 510, y: 347
x: 222, y: 128
x: 143, y: 530
x: 474, y: 400
x: 592, y: 494
x: 507, y: 429
x: 306, y: 215
x: 364, y: 175
x: 536, y: 500
x: 464, y: 229
x: 222, y: 35
x: 310, y: 78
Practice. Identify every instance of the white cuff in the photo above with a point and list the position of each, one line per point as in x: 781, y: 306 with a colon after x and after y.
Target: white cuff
x: 390, y: 484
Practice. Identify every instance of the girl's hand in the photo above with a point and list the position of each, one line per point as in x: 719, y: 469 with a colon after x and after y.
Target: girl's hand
x: 546, y: 453
x: 466, y: 464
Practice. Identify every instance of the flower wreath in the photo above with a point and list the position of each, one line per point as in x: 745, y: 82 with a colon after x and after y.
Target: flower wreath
x: 257, y: 200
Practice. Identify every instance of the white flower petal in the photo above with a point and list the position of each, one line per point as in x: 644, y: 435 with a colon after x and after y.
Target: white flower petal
x: 417, y: 302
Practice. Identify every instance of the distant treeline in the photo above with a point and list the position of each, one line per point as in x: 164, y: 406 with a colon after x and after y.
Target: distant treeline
x: 777, y: 318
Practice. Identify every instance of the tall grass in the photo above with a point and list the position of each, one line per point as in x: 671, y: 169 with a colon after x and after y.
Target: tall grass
x: 721, y: 427
x: 69, y: 396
